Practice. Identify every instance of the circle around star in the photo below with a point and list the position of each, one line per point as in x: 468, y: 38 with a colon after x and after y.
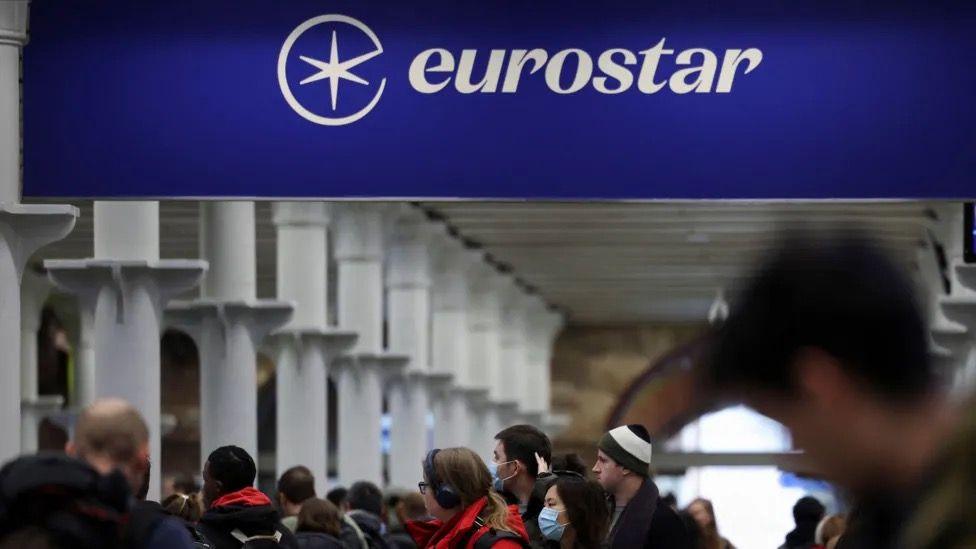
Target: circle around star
x: 283, y: 62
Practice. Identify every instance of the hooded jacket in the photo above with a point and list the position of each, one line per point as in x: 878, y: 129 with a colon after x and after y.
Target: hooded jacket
x: 247, y: 510
x: 371, y: 526
x: 451, y: 534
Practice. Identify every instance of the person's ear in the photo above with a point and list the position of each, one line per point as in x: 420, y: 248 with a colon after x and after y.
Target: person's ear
x: 820, y: 378
x: 71, y: 449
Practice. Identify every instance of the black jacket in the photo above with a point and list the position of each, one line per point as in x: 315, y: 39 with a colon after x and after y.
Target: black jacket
x: 317, y: 540
x: 218, y: 523
x: 534, y: 506
x: 648, y: 522
x: 399, y: 538
x: 372, y: 527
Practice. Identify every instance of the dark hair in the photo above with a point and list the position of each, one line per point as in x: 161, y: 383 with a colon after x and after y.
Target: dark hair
x: 569, y: 462
x: 366, y: 496
x: 319, y: 515
x: 233, y: 467
x: 337, y: 496
x: 836, y: 292
x: 808, y: 509
x: 586, y: 507
x: 523, y: 442
x: 297, y: 484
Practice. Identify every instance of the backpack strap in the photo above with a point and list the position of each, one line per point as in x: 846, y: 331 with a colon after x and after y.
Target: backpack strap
x: 491, y: 537
x: 243, y: 538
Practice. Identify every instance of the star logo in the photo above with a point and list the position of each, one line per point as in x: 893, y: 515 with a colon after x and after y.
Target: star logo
x: 334, y: 70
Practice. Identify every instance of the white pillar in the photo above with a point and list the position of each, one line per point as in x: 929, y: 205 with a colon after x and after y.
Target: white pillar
x: 960, y: 306
x: 228, y: 323
x: 359, y: 237
x: 23, y: 228
x: 950, y: 340
x: 408, y: 286
x: 515, y: 371
x: 451, y: 355
x: 129, y: 286
x: 306, y: 346
x: 34, y: 407
x: 484, y: 346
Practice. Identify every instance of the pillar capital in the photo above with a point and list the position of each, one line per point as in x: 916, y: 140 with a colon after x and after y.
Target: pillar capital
x: 27, y: 227
x: 388, y: 366
x: 13, y: 22
x: 259, y: 317
x: 167, y: 277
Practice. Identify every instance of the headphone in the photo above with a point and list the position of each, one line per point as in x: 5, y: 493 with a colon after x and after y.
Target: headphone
x: 444, y: 494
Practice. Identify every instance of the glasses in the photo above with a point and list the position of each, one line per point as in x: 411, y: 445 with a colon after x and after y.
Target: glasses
x: 422, y: 486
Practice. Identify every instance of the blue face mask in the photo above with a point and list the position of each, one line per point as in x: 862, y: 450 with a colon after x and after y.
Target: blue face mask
x: 497, y: 483
x: 550, y: 527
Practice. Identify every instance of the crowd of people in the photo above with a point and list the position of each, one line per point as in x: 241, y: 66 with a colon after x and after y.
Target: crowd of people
x: 94, y: 496
x: 827, y: 339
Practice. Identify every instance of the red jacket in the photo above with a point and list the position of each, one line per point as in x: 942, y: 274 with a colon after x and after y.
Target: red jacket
x: 438, y: 535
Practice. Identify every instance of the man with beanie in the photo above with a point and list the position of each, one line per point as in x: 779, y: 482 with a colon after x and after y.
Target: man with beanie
x: 639, y: 516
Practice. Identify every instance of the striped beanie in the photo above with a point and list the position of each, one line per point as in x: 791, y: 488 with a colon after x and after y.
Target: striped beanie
x: 630, y: 446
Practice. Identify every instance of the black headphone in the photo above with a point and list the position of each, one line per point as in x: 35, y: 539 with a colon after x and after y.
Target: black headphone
x: 444, y: 494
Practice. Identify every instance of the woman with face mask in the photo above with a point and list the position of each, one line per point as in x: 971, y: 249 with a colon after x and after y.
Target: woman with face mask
x: 575, y: 515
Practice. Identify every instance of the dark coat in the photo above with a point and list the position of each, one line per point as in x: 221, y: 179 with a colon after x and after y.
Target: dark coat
x: 648, y: 522
x: 250, y: 512
x: 317, y: 540
x: 372, y: 527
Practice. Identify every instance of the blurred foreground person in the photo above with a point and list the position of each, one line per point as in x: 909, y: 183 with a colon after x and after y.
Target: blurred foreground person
x: 830, y: 530
x: 827, y: 339
x: 237, y: 513
x: 703, y: 512
x: 576, y: 514
x: 467, y: 513
x: 807, y: 514
x: 111, y: 436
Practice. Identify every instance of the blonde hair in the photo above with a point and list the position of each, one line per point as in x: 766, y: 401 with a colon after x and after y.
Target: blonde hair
x: 186, y: 507
x: 468, y: 476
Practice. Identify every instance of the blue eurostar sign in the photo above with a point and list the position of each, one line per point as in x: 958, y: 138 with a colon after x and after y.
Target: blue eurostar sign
x: 499, y: 99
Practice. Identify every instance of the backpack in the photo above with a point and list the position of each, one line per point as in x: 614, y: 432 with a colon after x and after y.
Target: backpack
x: 489, y: 538
x: 65, y: 498
x: 262, y: 541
